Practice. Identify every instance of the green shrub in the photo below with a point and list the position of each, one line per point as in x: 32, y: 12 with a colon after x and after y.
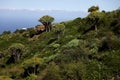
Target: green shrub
x: 72, y: 43
x: 95, y: 71
x: 73, y: 71
x: 32, y: 62
x: 65, y: 40
x: 6, y: 32
x: 5, y: 78
x: 113, y: 58
x: 110, y: 42
x: 53, y: 73
x: 31, y: 77
x: 31, y: 32
x: 55, y: 45
x: 16, y: 71
x: 69, y: 55
x: 50, y: 58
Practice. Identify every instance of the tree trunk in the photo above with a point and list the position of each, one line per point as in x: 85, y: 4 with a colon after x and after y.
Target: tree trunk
x: 95, y: 27
x: 47, y: 26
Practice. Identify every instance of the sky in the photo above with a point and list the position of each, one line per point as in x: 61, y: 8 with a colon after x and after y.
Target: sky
x: 15, y: 14
x: 70, y: 5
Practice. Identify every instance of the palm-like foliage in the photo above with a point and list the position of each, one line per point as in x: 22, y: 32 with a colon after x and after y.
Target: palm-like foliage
x: 46, y: 21
x: 93, y: 8
x: 59, y: 29
x: 96, y: 18
x: 16, y: 51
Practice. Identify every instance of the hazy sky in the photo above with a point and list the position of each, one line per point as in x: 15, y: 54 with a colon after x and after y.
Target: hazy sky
x: 79, y: 5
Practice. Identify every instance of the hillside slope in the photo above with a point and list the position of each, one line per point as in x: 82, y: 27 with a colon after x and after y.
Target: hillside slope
x: 88, y: 49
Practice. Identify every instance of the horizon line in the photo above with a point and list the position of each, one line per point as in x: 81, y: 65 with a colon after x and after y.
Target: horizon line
x: 14, y: 9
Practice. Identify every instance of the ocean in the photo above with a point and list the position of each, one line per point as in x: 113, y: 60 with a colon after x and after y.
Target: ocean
x: 10, y: 20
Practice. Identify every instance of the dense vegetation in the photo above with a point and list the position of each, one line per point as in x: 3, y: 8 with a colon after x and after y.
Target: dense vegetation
x: 81, y: 49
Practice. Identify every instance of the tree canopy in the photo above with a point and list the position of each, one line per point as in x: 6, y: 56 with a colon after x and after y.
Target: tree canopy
x: 58, y: 28
x: 93, y: 9
x: 46, y: 21
x: 16, y: 50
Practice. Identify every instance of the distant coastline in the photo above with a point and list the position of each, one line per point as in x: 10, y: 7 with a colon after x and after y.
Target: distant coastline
x: 10, y: 20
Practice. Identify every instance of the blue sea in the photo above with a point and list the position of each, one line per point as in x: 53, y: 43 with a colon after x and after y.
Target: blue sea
x: 10, y: 20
